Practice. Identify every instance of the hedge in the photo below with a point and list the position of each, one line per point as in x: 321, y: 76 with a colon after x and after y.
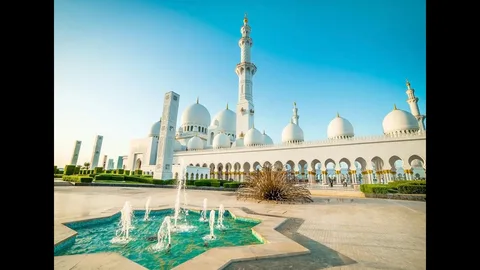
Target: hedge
x: 58, y: 175
x: 164, y: 182
x: 412, y: 189
x: 120, y: 171
x: 69, y: 170
x: 203, y: 183
x: 77, y: 178
x: 126, y: 172
x: 98, y: 170
x: 77, y: 169
x: 231, y: 185
x: 215, y: 184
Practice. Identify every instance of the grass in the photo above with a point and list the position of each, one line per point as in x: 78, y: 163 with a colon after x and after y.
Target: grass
x: 120, y: 182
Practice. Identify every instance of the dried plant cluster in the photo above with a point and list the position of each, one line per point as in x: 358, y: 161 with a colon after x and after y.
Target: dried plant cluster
x: 272, y: 185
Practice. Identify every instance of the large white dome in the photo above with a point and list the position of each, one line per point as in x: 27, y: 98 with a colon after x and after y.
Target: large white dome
x: 178, y: 146
x: 195, y: 143
x: 253, y: 137
x: 196, y: 114
x: 292, y: 133
x: 238, y: 143
x: 155, y: 129
x: 221, y: 140
x: 339, y: 128
x: 266, y: 139
x: 399, y: 121
x: 225, y: 120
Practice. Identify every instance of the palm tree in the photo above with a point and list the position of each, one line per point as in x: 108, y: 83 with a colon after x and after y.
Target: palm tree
x: 86, y: 165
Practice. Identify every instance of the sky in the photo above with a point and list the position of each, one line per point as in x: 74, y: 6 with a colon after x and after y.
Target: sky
x: 115, y: 59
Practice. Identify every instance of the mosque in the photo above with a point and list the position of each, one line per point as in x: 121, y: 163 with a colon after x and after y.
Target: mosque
x: 229, y: 146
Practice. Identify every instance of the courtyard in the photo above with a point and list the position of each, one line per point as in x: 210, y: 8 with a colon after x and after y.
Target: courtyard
x: 349, y: 233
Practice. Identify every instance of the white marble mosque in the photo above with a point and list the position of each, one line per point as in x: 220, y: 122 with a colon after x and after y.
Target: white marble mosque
x: 229, y: 146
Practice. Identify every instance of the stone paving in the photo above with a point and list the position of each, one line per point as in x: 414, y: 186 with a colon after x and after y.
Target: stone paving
x: 369, y: 233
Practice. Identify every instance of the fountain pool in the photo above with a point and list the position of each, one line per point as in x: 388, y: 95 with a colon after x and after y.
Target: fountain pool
x: 185, y: 245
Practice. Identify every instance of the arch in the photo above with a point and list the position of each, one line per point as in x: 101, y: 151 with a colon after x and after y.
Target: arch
x: 228, y: 170
x: 289, y: 165
x: 138, y: 164
x: 415, y: 157
x: 267, y: 164
x: 362, y: 162
x: 204, y: 165
x: 328, y: 161
x: 211, y: 137
x: 392, y: 160
x: 196, y: 176
x: 197, y: 165
x: 377, y: 163
x: 346, y: 161
x: 314, y: 163
x: 191, y: 164
x: 192, y: 176
x: 201, y: 176
x: 256, y: 166
x: 278, y: 166
x: 237, y: 166
x: 246, y: 167
x: 220, y: 171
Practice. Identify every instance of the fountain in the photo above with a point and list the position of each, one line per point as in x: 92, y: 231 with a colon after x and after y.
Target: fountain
x: 177, y: 203
x: 203, y: 214
x: 122, y: 235
x: 211, y: 236
x: 164, y: 235
x: 221, y: 211
x: 147, y: 208
x: 185, y: 202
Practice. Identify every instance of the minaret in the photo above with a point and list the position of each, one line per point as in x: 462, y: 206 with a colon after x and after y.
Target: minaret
x: 97, y: 147
x: 295, y: 114
x: 166, y: 140
x: 76, y: 152
x: 413, y: 102
x: 245, y: 71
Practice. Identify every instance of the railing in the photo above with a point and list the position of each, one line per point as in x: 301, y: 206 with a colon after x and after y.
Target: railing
x: 324, y: 142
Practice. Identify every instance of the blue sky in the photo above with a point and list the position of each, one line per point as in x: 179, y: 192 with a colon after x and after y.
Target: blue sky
x: 115, y: 59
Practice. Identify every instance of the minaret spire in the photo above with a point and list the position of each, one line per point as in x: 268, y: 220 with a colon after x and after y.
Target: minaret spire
x: 412, y: 101
x: 295, y: 115
x: 245, y: 71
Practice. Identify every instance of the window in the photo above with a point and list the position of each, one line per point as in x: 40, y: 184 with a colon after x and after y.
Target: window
x: 167, y: 166
x: 175, y: 98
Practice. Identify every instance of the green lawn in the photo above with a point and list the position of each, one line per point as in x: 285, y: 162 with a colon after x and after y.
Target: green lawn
x: 119, y: 182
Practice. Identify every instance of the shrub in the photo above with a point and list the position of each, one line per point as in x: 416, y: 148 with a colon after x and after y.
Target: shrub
x: 190, y: 182
x: 54, y: 169
x: 368, y: 188
x: 138, y: 172
x: 108, y: 171
x: 215, y: 184
x: 380, y: 189
x: 103, y: 176
x: 77, y: 169
x: 395, y: 184
x: 138, y: 179
x: 69, y: 170
x: 120, y: 171
x: 77, y: 178
x: 57, y: 175
x: 170, y: 182
x: 98, y: 170
x: 116, y: 177
x: 231, y: 185
x: 158, y: 182
x: 126, y: 172
x: 203, y: 183
x: 271, y: 185
x: 412, y: 189
x: 147, y: 176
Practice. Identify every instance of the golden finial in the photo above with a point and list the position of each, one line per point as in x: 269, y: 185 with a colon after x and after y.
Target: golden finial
x: 394, y: 107
x: 294, y: 104
x: 264, y: 132
x: 197, y: 100
x: 338, y: 115
x: 227, y: 105
x: 245, y: 19
x: 241, y: 134
x: 408, y: 85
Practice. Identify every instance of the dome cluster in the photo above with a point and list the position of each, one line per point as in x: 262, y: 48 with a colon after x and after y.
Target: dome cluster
x: 200, y: 132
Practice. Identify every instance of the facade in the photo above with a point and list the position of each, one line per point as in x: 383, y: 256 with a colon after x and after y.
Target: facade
x: 229, y: 146
x: 97, y: 147
x: 76, y: 152
x: 110, y: 164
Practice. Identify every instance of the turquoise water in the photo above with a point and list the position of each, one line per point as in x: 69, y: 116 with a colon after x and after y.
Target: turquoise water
x: 96, y: 238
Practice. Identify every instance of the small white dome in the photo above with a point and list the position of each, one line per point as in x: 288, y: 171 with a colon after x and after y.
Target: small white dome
x: 339, y: 128
x: 155, y: 129
x: 221, y: 140
x: 253, y: 137
x: 178, y: 146
x: 266, y: 139
x: 292, y: 133
x: 238, y: 143
x: 399, y: 121
x: 196, y: 114
x: 195, y: 143
x: 225, y: 120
